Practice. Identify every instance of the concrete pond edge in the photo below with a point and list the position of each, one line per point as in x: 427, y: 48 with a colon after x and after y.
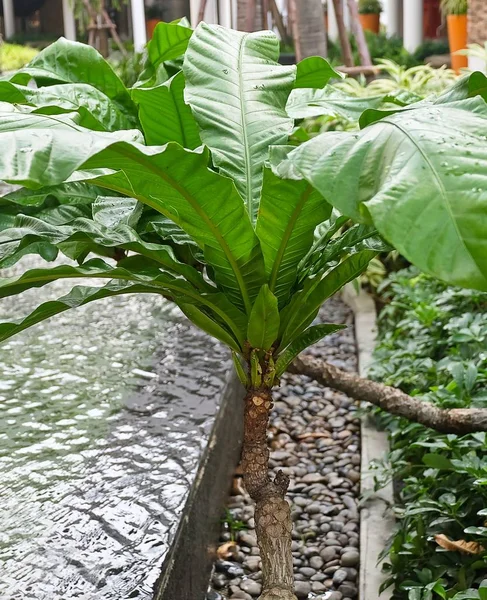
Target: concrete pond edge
x: 186, y: 569
x: 376, y: 517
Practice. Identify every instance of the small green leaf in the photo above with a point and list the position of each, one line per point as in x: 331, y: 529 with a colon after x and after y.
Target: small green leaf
x: 242, y: 375
x: 169, y: 41
x: 111, y: 211
x: 314, y: 72
x: 209, y: 325
x: 255, y: 370
x: 437, y: 461
x: 307, y: 338
x: 263, y: 325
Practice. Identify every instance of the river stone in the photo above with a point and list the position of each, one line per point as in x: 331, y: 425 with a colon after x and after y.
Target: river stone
x: 350, y: 559
x: 241, y: 595
x: 328, y: 554
x: 231, y: 569
x: 339, y: 577
x: 248, y: 540
x: 302, y: 589
x: 348, y: 589
x: 316, y: 562
x: 251, y: 587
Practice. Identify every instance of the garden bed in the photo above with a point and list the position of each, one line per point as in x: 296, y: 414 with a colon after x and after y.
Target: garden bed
x: 432, y: 343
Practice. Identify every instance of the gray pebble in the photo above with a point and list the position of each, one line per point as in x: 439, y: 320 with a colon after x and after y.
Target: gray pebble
x: 241, y: 595
x: 350, y: 559
x: 248, y: 540
x: 316, y: 562
x: 348, y: 589
x: 251, y: 587
x: 328, y: 554
x: 339, y: 577
x: 308, y: 572
x: 302, y: 589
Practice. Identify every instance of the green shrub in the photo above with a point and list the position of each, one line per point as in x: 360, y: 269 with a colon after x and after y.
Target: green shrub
x: 454, y: 7
x: 432, y: 343
x: 430, y: 47
x: 369, y: 7
x: 14, y: 57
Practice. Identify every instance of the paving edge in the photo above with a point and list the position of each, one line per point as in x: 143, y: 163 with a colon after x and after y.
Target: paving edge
x: 186, y: 570
x: 376, y: 517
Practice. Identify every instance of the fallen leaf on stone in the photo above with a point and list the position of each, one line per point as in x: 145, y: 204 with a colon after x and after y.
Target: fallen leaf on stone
x: 227, y: 550
x: 237, y: 487
x: 459, y: 545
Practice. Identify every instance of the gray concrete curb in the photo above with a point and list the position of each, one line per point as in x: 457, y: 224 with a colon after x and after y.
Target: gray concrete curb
x: 376, y: 518
x: 186, y: 570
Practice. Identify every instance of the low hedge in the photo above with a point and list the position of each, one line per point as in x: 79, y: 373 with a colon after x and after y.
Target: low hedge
x: 433, y: 344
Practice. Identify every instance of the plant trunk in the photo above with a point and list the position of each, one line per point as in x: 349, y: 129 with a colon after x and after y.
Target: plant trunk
x: 272, y: 514
x: 454, y: 420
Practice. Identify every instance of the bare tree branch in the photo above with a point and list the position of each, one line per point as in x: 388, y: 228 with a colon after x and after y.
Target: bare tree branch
x: 392, y: 400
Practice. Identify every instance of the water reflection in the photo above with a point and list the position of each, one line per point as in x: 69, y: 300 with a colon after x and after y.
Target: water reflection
x: 103, y: 415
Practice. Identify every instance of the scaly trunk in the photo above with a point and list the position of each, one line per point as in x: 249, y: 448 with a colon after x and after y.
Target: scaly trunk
x: 272, y: 514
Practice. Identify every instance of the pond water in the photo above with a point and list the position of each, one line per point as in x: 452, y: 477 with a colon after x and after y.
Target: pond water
x: 104, y: 412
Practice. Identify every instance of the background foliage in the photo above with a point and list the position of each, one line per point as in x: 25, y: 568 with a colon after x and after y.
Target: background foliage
x: 433, y: 343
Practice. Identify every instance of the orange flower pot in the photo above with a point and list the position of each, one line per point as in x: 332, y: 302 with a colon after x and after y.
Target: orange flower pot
x: 150, y: 25
x: 370, y: 22
x: 457, y: 38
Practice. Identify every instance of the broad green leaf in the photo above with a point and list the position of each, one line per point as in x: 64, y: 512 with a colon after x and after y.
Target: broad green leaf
x: 468, y: 86
x: 309, y: 337
x: 135, y: 270
x: 78, y: 296
x: 263, y: 326
x: 171, y: 180
x: 111, y: 211
x: 306, y: 303
x: 331, y: 102
x: 71, y: 62
x: 67, y: 193
x: 353, y: 240
x: 437, y: 461
x: 238, y: 94
x: 89, y: 236
x: 423, y: 185
x: 164, y: 116
x: 210, y: 326
x: 96, y: 109
x: 289, y: 212
x: 169, y: 41
x: 314, y: 72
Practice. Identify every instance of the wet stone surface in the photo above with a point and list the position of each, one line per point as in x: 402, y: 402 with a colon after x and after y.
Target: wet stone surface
x: 104, y: 413
x: 315, y: 440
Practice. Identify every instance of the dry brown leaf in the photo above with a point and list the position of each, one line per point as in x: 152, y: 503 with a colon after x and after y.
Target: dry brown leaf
x: 227, y: 550
x: 237, y: 487
x: 459, y: 545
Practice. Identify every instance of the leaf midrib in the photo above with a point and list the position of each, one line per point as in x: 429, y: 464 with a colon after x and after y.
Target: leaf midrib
x: 437, y: 178
x: 287, y: 235
x: 248, y: 170
x: 223, y: 244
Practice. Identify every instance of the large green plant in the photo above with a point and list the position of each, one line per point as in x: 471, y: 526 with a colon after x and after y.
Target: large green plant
x: 239, y: 232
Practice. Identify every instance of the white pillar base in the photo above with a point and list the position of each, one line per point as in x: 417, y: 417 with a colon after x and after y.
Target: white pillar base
x: 8, y: 18
x: 413, y: 24
x: 475, y: 63
x: 138, y: 24
x: 69, y: 21
x: 332, y: 22
x: 391, y: 17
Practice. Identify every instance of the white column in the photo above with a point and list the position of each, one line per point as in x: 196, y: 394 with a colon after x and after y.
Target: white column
x: 210, y: 15
x: 413, y: 24
x: 475, y: 63
x: 226, y: 13
x: 138, y: 25
x: 69, y: 22
x: 391, y: 17
x: 346, y: 15
x: 9, y: 18
x: 332, y: 22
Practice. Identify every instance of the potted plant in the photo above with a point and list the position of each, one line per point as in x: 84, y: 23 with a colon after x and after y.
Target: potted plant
x: 153, y: 16
x: 369, y: 14
x: 456, y: 16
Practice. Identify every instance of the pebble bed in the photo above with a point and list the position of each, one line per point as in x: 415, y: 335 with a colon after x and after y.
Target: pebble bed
x: 325, y: 483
